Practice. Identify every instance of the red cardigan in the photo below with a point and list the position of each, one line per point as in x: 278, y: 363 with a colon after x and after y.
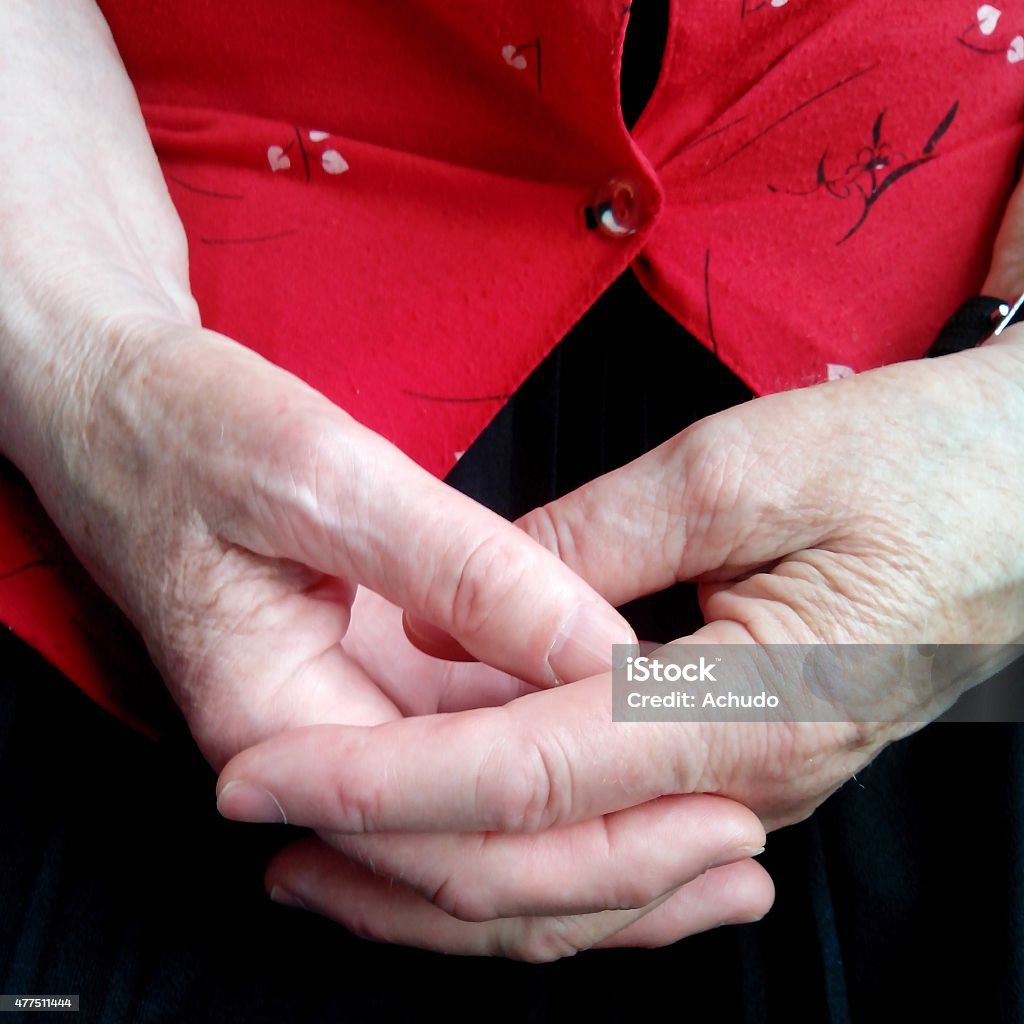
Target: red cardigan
x: 409, y: 208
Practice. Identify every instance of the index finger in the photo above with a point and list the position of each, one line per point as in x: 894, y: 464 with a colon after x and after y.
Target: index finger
x: 334, y: 496
x: 549, y: 758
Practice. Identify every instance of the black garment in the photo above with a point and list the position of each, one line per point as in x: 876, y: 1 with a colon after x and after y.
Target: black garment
x: 899, y: 899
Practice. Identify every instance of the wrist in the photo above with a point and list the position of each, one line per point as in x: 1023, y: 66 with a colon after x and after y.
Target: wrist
x: 998, y: 364
x: 88, y: 236
x: 62, y: 337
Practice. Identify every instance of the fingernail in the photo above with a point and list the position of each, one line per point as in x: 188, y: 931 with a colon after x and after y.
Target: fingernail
x: 243, y: 801
x: 751, y: 919
x: 736, y: 854
x: 584, y: 645
x: 286, y: 898
x: 432, y: 640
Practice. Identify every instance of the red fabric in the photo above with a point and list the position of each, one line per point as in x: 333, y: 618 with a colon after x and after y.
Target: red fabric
x: 393, y: 205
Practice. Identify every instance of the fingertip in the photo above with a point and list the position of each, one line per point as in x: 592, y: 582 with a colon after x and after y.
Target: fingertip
x: 585, y: 645
x: 286, y: 898
x: 731, y: 827
x: 746, y: 828
x: 751, y: 888
x: 429, y: 639
x: 289, y: 868
x: 239, y: 800
x: 739, y: 893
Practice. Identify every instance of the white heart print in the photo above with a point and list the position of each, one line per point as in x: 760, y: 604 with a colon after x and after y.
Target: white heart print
x: 838, y: 371
x: 988, y: 18
x: 278, y: 159
x: 1015, y: 53
x: 318, y: 136
x: 779, y: 3
x: 333, y: 162
x: 513, y: 59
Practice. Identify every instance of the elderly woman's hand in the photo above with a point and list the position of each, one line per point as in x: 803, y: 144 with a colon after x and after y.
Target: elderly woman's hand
x: 232, y: 512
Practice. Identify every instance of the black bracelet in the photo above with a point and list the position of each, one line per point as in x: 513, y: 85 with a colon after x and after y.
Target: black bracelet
x: 976, y: 320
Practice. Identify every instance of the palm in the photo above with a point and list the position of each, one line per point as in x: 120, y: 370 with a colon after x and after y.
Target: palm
x: 291, y: 661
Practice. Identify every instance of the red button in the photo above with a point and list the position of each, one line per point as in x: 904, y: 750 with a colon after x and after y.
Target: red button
x: 618, y: 210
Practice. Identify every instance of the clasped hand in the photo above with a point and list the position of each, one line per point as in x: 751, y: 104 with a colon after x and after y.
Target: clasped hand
x: 881, y: 509
x: 265, y: 559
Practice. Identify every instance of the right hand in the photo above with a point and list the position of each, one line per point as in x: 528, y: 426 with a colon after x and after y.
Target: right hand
x: 232, y: 512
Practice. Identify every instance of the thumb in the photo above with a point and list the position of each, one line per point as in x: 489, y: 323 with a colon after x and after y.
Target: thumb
x: 348, y: 503
x: 715, y: 502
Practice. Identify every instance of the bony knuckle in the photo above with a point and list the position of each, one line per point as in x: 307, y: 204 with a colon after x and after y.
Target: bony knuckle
x: 540, y: 526
x: 553, y: 790
x: 489, y: 574
x: 524, y: 790
x: 287, y: 438
x: 310, y: 454
x: 354, y: 810
x: 519, y: 787
x: 713, y: 461
x: 512, y: 804
x: 553, y: 531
